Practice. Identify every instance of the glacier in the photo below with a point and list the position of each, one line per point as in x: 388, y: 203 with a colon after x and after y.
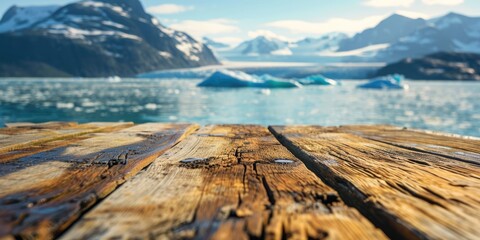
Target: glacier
x: 237, y: 79
x: 178, y: 74
x: 394, y: 81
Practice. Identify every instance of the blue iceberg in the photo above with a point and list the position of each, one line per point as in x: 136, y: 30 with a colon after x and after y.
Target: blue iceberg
x: 386, y: 82
x: 318, y: 80
x: 237, y: 79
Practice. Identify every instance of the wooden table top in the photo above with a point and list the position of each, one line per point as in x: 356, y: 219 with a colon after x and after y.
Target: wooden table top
x: 181, y: 181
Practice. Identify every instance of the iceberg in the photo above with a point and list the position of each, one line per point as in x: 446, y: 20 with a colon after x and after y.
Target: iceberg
x: 237, y: 79
x: 273, y: 82
x: 386, y: 82
x: 317, y: 80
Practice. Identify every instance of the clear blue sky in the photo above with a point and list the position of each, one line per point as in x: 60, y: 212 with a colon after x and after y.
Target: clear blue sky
x: 232, y: 21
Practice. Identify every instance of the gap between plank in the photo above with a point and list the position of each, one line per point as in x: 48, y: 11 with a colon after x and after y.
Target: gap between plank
x: 350, y: 195
x: 99, y: 200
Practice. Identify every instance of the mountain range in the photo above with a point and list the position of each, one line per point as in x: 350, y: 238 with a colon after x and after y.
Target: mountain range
x: 99, y: 38
x: 93, y: 38
x: 394, y: 38
x: 266, y: 45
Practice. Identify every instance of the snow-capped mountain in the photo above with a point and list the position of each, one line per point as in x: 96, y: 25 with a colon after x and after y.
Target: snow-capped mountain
x: 16, y: 18
x: 394, y: 38
x: 214, y: 44
x: 263, y: 45
x: 98, y: 38
x: 314, y: 46
x: 387, y: 31
x: 452, y: 33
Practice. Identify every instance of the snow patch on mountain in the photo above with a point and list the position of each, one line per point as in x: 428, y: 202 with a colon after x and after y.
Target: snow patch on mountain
x: 188, y: 46
x: 368, y: 51
x: 17, y: 18
x: 98, y: 5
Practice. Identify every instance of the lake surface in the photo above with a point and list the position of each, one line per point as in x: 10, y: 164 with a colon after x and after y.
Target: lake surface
x: 443, y: 106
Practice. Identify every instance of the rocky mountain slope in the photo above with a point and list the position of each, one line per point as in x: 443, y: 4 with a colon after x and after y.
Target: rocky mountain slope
x: 450, y: 33
x: 94, y: 38
x: 438, y: 66
x: 387, y: 31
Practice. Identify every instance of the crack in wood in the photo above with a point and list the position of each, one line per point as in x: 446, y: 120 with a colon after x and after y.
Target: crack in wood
x: 400, y: 207
x: 240, y: 192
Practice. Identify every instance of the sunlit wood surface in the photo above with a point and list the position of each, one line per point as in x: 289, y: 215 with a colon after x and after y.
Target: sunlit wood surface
x: 181, y: 181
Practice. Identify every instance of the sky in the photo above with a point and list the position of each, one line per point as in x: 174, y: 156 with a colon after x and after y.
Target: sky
x: 234, y: 21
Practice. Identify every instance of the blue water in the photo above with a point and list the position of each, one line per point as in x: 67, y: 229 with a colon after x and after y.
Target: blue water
x: 443, y: 106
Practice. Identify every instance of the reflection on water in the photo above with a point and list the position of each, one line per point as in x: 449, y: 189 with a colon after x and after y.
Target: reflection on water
x: 444, y: 106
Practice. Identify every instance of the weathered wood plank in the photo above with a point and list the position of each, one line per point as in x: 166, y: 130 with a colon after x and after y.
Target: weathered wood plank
x: 42, y: 194
x: 225, y: 182
x: 45, y: 125
x: 25, y: 139
x: 460, y: 148
x: 409, y: 194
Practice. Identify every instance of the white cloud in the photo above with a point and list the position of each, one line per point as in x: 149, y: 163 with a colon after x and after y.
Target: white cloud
x: 443, y: 2
x: 168, y: 9
x: 266, y: 33
x: 208, y: 27
x: 389, y: 3
x: 331, y: 25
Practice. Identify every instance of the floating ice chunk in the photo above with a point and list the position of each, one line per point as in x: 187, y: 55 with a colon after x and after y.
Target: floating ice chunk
x: 386, y: 82
x: 237, y: 79
x: 317, y: 80
x: 225, y: 78
x: 273, y: 82
x: 265, y: 92
x: 114, y: 79
x: 62, y: 105
x: 151, y: 106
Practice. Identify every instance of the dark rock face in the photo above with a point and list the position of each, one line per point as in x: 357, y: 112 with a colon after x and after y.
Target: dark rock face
x: 438, y: 66
x: 98, y: 39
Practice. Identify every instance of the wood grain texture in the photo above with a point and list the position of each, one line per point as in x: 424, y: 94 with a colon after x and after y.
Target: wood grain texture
x: 459, y: 148
x: 42, y: 194
x: 19, y: 140
x: 224, y: 182
x: 44, y: 125
x: 409, y: 194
